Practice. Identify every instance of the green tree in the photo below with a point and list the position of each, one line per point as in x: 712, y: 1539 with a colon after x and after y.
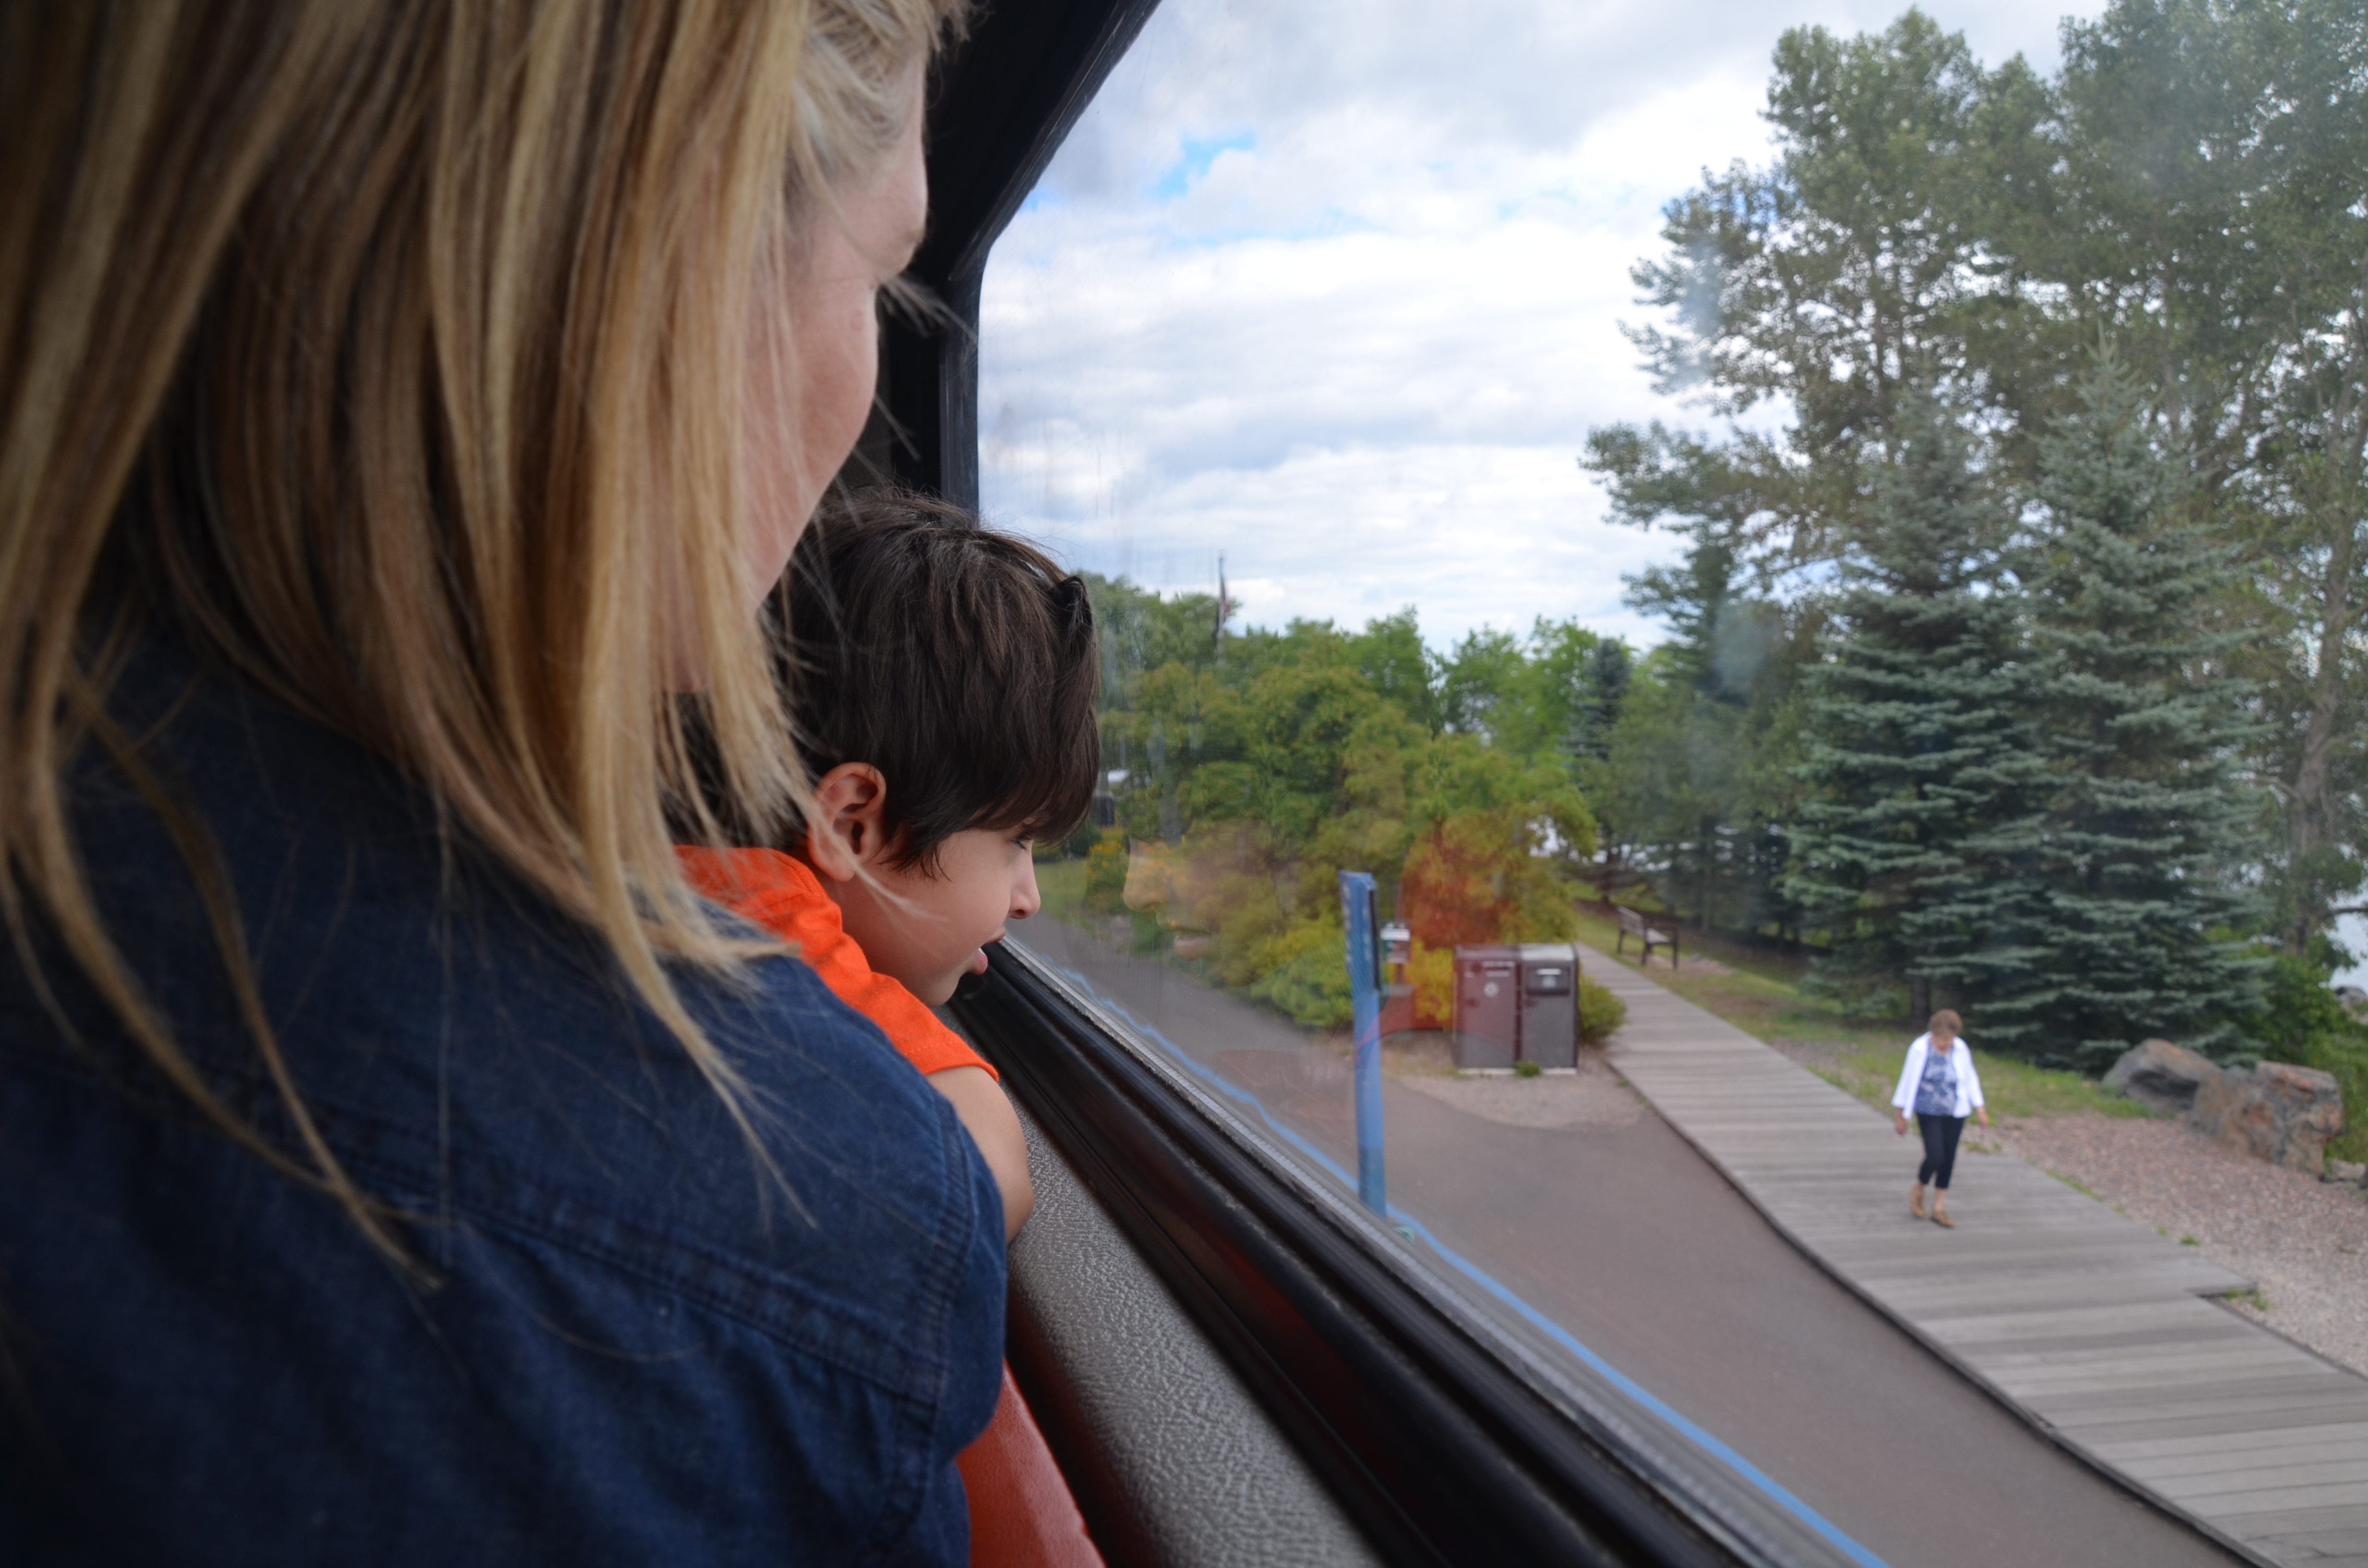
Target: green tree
x: 1918, y: 751
x: 1479, y: 868
x: 1860, y: 262
x: 1484, y: 683
x: 2213, y: 155
x: 1691, y: 787
x: 2136, y: 858
x: 1260, y: 776
x: 1523, y: 696
x: 1599, y: 688
x: 1390, y: 656
x: 2189, y: 185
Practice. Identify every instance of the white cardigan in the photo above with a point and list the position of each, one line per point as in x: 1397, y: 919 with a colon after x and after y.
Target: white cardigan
x: 1969, y: 1082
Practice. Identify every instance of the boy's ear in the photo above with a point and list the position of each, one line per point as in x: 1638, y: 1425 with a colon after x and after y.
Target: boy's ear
x: 845, y: 833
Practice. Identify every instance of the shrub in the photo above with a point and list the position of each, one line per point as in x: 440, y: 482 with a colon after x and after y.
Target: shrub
x: 1106, y: 875
x: 2301, y: 1021
x: 1431, y: 972
x: 1599, y: 1012
x: 2299, y: 1012
x: 1310, y: 985
x: 2346, y: 1056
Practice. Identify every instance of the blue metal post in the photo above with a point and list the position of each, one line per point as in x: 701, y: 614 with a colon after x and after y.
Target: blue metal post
x: 1359, y: 918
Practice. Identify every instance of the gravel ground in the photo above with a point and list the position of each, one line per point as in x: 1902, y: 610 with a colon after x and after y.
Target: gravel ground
x: 2303, y: 1242
x: 1592, y: 1097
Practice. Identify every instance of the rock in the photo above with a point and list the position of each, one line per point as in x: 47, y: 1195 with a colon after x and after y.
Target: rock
x: 2277, y: 1112
x: 2160, y: 1074
x: 2353, y: 1171
x: 2354, y: 1000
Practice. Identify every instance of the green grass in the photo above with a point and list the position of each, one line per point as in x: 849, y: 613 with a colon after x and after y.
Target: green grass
x: 1062, y: 885
x: 1761, y: 995
x: 2017, y: 1088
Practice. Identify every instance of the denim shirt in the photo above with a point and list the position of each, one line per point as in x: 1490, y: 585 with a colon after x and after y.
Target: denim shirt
x: 619, y: 1339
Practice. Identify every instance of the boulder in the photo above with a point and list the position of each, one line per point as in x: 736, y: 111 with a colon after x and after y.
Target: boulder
x: 2277, y: 1112
x: 2160, y: 1074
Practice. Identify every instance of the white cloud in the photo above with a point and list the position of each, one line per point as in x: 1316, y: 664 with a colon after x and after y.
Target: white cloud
x: 1333, y: 287
x: 1465, y: 532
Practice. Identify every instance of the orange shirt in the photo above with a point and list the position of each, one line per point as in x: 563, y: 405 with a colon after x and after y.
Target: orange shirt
x: 779, y: 891
x: 1021, y: 1515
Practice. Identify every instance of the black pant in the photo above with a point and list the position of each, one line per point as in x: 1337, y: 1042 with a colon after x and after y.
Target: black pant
x: 1940, y: 1134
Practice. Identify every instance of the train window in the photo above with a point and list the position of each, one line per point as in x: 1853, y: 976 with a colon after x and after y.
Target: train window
x: 1484, y: 434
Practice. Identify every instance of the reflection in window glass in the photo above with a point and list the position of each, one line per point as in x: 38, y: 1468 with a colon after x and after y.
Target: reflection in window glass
x: 1646, y: 479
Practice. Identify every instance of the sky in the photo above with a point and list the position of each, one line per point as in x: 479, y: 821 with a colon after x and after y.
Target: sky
x: 1332, y: 288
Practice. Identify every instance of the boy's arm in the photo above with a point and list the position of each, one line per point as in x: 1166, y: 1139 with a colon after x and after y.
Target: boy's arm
x: 779, y: 893
x: 988, y: 1117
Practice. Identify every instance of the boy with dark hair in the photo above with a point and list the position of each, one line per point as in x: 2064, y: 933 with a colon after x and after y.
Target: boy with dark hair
x: 944, y: 681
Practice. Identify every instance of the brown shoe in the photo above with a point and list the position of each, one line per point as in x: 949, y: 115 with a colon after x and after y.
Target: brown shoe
x: 1942, y: 1219
x: 1916, y: 1201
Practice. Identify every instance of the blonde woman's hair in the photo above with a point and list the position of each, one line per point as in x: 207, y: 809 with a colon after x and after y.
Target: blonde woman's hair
x: 386, y: 354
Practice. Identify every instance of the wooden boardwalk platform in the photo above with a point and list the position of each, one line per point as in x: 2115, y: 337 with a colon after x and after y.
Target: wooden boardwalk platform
x: 2092, y: 1326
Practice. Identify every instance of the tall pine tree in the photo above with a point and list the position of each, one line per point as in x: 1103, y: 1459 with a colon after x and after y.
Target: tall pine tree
x: 2135, y: 858
x: 1916, y: 748
x: 1602, y: 687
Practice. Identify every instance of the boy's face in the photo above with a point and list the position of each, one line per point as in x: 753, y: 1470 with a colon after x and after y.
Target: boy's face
x: 935, y: 929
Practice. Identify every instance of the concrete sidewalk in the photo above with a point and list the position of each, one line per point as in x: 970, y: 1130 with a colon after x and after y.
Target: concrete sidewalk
x: 2093, y: 1327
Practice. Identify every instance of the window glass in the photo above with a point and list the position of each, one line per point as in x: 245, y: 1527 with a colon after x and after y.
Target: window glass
x: 1816, y: 496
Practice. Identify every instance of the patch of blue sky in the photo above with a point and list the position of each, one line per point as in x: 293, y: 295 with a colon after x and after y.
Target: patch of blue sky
x: 1044, y: 197
x: 1201, y: 153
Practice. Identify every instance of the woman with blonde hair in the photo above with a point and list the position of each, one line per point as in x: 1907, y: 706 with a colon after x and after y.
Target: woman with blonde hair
x: 405, y: 408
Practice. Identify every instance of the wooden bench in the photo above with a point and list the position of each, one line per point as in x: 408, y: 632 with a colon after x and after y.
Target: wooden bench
x: 1632, y: 924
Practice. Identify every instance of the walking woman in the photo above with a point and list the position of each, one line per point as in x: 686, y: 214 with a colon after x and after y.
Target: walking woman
x: 1939, y: 1084
x: 404, y: 409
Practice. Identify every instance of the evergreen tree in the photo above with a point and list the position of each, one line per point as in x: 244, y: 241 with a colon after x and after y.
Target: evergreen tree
x: 1916, y: 750
x: 2144, y: 824
x: 2188, y: 180
x: 1602, y: 688
x: 1684, y: 774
